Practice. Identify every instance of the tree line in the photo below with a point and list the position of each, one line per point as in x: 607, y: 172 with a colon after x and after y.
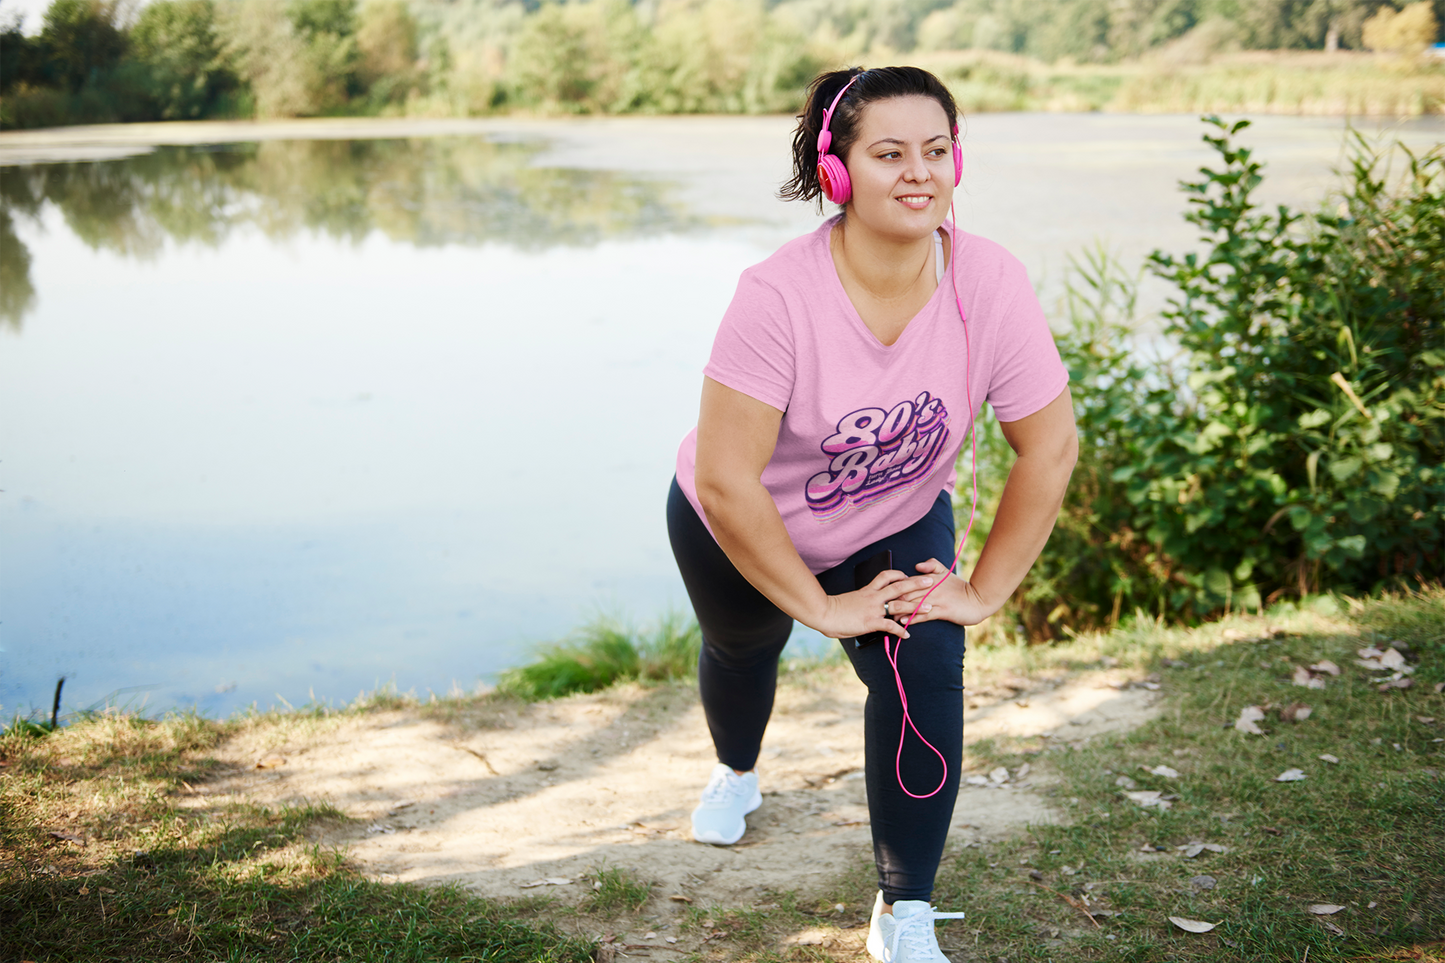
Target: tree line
x: 92, y: 61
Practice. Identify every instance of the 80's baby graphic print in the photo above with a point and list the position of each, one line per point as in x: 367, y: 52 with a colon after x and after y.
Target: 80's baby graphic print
x: 877, y: 454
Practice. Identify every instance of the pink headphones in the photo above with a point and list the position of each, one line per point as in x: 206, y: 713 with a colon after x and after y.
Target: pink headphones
x: 833, y: 176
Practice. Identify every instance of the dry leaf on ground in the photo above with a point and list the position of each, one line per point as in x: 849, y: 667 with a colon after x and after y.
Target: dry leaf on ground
x: 1192, y: 926
x: 1147, y: 798
x: 1303, y: 677
x: 1295, y: 712
x: 1324, y: 909
x: 1248, y: 716
x: 549, y: 881
x: 1165, y: 771
x: 1325, y: 666
x: 1290, y: 775
x: 1190, y: 850
x: 1331, y: 759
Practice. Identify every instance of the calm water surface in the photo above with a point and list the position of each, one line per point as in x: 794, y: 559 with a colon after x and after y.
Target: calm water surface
x: 298, y: 417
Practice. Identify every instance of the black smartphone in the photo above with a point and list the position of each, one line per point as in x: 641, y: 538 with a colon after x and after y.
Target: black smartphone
x: 863, y: 573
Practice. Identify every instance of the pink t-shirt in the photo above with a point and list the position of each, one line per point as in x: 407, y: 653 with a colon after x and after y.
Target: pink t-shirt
x: 870, y: 432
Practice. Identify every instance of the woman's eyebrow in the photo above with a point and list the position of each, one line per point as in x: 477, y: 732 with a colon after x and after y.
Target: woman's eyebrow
x: 895, y: 140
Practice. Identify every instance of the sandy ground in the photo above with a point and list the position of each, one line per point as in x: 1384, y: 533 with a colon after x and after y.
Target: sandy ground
x: 511, y: 800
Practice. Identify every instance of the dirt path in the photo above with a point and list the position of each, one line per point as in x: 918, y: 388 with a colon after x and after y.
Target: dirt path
x: 502, y: 797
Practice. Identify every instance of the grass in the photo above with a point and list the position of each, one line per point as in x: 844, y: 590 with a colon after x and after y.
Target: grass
x: 158, y: 878
x: 617, y: 889
x: 1366, y: 833
x: 102, y: 858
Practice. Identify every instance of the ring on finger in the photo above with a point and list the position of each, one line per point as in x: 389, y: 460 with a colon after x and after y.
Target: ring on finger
x: 885, y: 610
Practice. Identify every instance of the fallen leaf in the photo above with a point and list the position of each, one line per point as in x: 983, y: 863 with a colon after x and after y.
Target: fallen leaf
x: 85, y: 891
x: 999, y: 775
x: 1290, y: 775
x: 1165, y: 771
x: 1124, y: 782
x: 1295, y: 712
x: 1248, y: 716
x: 1302, y: 676
x: 978, y: 781
x: 1332, y: 927
x: 1324, y: 909
x: 1202, y: 883
x: 270, y: 762
x: 1192, y: 926
x: 649, y: 936
x: 66, y: 837
x: 1148, y: 798
x: 1025, y: 769
x: 549, y: 881
x: 1332, y: 760
x: 670, y: 939
x: 379, y: 828
x: 806, y: 939
x: 1325, y: 666
x: 1190, y: 850
x: 1439, y: 687
x: 1395, y: 684
x: 1425, y: 719
x: 679, y: 898
x: 1271, y: 830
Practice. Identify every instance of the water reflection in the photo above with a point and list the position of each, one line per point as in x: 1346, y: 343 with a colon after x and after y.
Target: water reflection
x: 459, y: 190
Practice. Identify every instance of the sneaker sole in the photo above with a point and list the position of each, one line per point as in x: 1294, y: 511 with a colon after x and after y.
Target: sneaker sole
x: 717, y: 838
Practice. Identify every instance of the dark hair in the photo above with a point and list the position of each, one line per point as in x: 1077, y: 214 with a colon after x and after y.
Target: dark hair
x: 881, y: 83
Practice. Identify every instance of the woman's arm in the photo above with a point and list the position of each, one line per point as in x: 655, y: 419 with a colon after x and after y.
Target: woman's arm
x: 736, y: 435
x: 1047, y: 445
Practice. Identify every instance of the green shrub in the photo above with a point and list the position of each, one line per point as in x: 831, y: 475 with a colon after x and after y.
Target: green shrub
x: 604, y: 652
x: 1295, y: 442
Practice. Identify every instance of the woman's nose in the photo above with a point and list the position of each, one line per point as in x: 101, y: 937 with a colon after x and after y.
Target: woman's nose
x: 917, y: 168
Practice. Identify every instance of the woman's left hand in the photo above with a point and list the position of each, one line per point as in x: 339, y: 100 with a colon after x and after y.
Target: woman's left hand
x: 953, y: 600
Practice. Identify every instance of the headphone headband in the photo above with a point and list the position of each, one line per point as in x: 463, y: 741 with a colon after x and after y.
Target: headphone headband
x: 825, y: 136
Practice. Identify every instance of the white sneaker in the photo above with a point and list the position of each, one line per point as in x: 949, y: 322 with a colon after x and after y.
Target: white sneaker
x: 726, y: 800
x: 907, y: 935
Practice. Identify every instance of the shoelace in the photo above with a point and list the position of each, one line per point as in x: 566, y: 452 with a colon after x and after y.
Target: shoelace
x: 917, y: 931
x: 721, y: 786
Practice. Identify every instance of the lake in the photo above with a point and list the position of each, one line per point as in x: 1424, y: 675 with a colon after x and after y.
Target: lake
x: 293, y: 411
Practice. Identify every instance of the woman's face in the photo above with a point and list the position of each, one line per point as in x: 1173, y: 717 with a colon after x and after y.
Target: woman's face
x: 901, y: 167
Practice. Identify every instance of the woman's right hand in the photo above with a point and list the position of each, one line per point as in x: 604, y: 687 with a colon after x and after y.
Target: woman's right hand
x: 860, y: 612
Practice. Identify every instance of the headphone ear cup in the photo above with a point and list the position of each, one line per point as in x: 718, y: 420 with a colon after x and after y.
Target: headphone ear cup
x: 833, y: 179
x: 957, y: 164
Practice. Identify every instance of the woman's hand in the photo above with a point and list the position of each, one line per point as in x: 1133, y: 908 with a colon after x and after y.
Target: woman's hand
x: 858, y: 613
x: 955, y: 600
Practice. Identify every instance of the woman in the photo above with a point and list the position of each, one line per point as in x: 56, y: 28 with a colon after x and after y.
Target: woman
x: 842, y: 383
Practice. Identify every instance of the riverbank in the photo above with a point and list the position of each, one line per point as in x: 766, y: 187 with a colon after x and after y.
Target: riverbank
x: 1110, y: 787
x: 1180, y: 80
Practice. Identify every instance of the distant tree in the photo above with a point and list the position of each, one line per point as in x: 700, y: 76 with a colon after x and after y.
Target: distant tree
x: 22, y: 60
x: 81, y: 41
x: 1408, y: 31
x: 387, y: 49
x: 177, y: 44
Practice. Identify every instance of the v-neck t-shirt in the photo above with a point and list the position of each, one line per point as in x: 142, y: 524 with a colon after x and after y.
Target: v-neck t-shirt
x: 870, y: 432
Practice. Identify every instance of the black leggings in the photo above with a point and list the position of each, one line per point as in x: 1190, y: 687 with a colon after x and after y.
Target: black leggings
x: 742, y: 636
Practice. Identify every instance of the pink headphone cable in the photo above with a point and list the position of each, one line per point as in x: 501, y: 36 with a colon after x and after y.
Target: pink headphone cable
x: 892, y: 654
